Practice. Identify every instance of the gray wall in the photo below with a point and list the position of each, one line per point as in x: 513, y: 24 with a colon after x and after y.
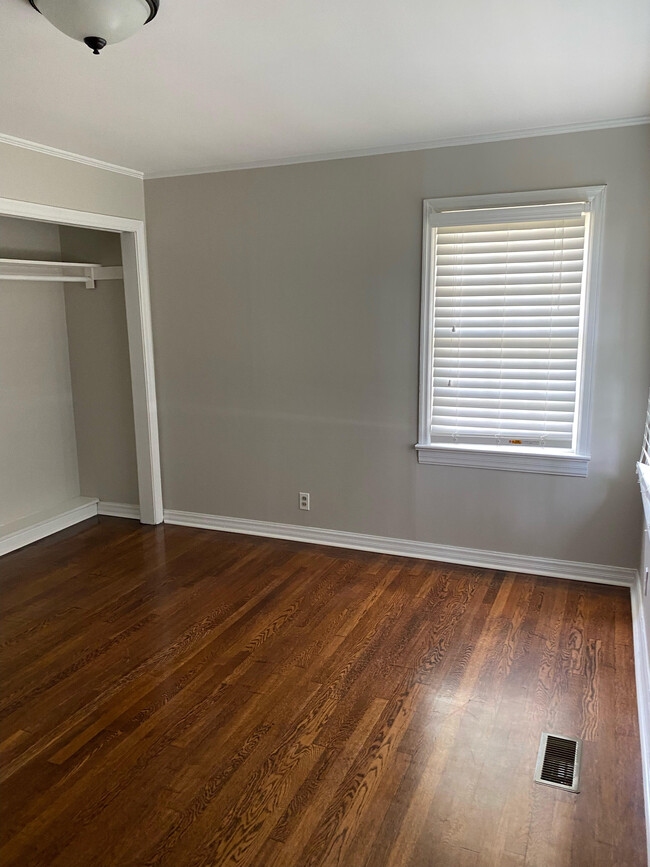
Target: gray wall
x: 101, y: 375
x: 38, y: 460
x: 286, y: 316
x: 32, y: 176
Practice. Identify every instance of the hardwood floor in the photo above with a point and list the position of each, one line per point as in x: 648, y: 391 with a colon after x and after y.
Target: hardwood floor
x: 182, y: 697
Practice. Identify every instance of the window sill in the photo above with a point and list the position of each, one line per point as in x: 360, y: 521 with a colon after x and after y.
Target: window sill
x: 548, y: 461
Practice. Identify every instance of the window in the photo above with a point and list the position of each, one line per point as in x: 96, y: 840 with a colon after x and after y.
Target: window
x: 508, y: 321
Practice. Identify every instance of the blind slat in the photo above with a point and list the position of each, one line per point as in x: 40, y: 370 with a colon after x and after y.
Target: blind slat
x: 530, y: 227
x: 459, y: 321
x: 500, y: 405
x: 524, y: 245
x: 498, y: 288
x: 559, y: 258
x: 497, y: 390
x: 531, y: 377
x: 508, y: 269
x: 518, y: 302
x: 496, y: 426
x: 473, y: 355
x: 511, y: 332
x: 506, y: 279
x: 514, y: 342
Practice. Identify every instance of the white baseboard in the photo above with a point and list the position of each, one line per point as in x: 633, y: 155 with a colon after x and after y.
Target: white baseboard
x: 642, y: 671
x: 118, y: 510
x: 593, y: 572
x: 37, y: 526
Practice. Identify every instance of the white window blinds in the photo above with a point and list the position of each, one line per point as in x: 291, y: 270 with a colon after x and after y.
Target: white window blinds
x: 645, y: 449
x: 506, y: 329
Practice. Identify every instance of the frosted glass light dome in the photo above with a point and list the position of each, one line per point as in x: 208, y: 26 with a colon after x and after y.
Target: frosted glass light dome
x: 97, y: 22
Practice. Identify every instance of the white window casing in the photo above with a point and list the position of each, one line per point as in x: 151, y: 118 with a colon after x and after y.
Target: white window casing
x: 509, y: 305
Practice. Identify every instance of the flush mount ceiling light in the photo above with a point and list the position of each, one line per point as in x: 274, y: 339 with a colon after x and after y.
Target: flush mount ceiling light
x: 97, y: 22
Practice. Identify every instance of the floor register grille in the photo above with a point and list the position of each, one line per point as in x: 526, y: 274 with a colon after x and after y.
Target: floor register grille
x: 558, y: 762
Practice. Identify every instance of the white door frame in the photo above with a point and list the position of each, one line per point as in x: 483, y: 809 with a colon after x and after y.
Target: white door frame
x: 138, y: 320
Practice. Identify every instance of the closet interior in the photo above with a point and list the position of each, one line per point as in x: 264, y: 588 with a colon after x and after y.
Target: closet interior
x: 67, y: 437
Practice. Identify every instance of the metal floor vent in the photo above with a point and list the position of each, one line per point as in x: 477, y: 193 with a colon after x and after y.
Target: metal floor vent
x: 558, y: 762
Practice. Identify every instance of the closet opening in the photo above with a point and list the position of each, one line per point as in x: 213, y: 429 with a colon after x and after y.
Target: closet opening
x: 75, y: 337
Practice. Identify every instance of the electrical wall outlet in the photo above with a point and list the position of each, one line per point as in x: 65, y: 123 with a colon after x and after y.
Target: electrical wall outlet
x: 304, y: 501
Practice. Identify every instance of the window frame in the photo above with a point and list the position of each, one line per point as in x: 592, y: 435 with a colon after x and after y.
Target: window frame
x: 568, y: 462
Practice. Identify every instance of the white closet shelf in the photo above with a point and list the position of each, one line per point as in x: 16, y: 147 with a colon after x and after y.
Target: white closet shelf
x: 48, y: 263
x: 41, y: 271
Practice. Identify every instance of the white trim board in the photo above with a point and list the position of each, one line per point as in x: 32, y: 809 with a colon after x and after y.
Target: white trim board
x: 118, y: 510
x: 519, y: 461
x: 598, y: 574
x: 30, y: 529
x: 68, y: 155
x: 37, y: 526
x: 642, y: 673
x: 456, y: 141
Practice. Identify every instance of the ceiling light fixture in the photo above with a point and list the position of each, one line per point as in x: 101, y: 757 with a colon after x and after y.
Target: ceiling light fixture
x: 97, y: 23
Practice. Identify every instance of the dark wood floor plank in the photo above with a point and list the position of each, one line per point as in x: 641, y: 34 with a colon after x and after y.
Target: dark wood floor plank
x: 177, y: 697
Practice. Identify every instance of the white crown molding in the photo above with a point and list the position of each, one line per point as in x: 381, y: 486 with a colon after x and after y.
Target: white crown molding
x: 34, y: 527
x: 68, y: 155
x: 531, y: 132
x: 592, y: 572
x: 118, y: 510
x: 642, y: 672
x: 322, y: 157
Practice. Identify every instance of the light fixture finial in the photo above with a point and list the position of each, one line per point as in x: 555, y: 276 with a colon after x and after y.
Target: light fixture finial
x: 96, y: 43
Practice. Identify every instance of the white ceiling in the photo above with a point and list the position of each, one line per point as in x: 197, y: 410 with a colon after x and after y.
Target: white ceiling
x: 229, y: 82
